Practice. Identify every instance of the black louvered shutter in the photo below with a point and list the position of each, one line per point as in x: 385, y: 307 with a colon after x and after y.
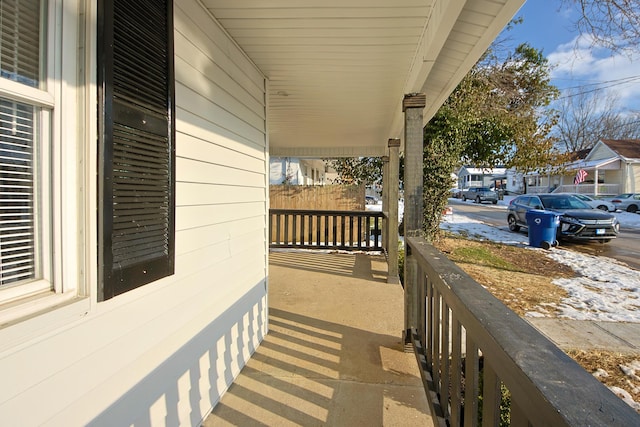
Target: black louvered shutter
x: 137, y: 151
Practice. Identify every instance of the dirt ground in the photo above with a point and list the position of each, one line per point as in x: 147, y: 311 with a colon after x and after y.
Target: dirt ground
x: 523, y: 282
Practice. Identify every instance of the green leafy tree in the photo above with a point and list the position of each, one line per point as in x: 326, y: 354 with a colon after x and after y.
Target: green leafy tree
x: 357, y: 170
x: 496, y: 116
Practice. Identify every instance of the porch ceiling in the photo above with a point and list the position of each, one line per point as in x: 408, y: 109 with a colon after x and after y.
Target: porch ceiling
x: 338, y: 69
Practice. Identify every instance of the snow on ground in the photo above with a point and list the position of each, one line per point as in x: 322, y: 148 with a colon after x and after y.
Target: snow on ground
x: 604, y: 290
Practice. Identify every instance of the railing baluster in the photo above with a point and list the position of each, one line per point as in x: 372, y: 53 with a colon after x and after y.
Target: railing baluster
x: 359, y: 232
x: 286, y: 229
x: 294, y: 230
x: 456, y: 371
x: 278, y: 229
x: 425, y: 307
x: 491, y: 396
x: 471, y: 384
x: 437, y: 331
x: 446, y: 363
x: 517, y: 418
x: 318, y: 229
x: 422, y: 295
x: 326, y: 230
x: 367, y: 232
x: 335, y: 230
x: 351, y: 231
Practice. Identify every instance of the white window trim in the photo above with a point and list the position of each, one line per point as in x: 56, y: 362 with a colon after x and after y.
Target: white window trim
x: 23, y: 93
x: 71, y: 89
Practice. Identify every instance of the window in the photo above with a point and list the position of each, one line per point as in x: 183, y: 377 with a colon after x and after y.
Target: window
x: 18, y: 239
x: 25, y: 150
x: 136, y: 144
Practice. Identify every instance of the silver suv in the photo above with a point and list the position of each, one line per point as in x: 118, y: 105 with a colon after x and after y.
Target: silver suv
x: 480, y: 194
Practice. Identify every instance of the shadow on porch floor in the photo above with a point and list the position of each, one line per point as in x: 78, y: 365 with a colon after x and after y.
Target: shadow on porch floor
x: 333, y: 355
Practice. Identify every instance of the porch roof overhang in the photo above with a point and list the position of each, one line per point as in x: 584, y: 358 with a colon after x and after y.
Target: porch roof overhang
x: 611, y: 163
x: 338, y: 70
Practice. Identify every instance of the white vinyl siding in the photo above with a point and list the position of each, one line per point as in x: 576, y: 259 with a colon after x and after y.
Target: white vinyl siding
x: 221, y: 149
x: 601, y: 152
x: 164, y: 353
x: 221, y: 179
x: 634, y: 178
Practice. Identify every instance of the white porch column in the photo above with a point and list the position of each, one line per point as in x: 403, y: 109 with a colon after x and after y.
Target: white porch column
x: 412, y: 106
x: 385, y: 201
x: 595, y: 182
x: 392, y: 199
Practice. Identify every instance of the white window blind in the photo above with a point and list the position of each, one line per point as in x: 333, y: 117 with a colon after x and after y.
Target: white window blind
x: 21, y: 32
x: 17, y: 237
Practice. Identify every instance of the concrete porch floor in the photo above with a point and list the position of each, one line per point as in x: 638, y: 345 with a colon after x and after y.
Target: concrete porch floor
x: 333, y: 355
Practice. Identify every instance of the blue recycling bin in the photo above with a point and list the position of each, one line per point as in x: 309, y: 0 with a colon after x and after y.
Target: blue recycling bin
x: 543, y: 226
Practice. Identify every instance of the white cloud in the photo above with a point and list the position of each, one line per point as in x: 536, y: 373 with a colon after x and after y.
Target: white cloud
x: 579, y: 63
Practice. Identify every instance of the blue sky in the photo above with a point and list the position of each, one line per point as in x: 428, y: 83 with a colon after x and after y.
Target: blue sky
x: 544, y: 26
x: 575, y: 62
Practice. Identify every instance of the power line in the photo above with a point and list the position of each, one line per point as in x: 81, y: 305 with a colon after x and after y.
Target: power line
x: 582, y: 92
x: 621, y: 80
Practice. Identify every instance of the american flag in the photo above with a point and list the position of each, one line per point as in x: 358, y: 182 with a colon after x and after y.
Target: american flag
x: 580, y: 177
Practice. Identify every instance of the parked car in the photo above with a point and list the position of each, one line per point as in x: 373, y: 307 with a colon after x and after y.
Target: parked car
x: 629, y: 202
x: 456, y: 193
x: 601, y: 204
x: 578, y: 221
x: 370, y: 200
x: 480, y: 194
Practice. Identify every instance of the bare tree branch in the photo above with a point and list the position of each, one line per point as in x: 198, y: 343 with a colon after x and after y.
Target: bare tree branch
x: 613, y: 24
x: 586, y: 117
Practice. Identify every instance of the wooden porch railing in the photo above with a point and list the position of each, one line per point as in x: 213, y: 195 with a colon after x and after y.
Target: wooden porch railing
x: 312, y: 229
x: 466, y: 337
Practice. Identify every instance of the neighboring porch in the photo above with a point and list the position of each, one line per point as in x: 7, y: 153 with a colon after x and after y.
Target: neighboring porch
x: 603, y: 179
x: 334, y: 353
